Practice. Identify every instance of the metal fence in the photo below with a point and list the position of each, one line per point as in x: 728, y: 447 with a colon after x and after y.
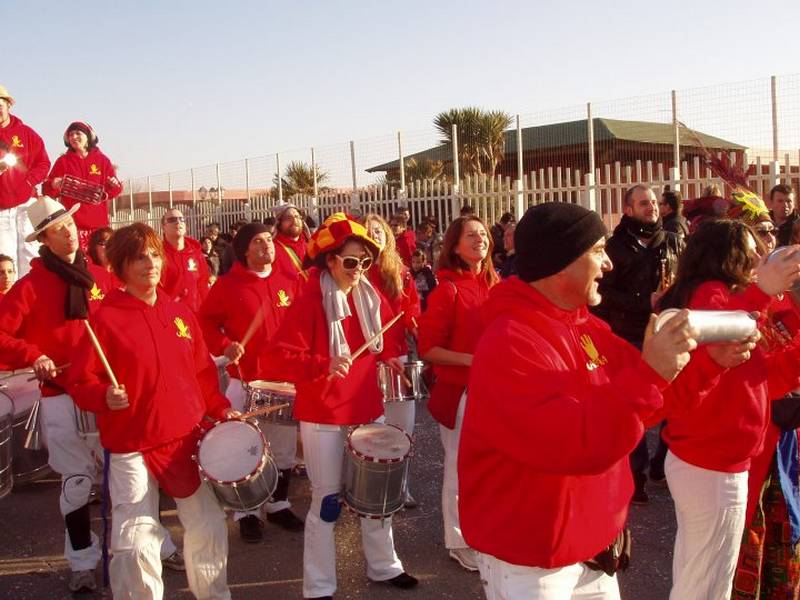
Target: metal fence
x: 589, y: 154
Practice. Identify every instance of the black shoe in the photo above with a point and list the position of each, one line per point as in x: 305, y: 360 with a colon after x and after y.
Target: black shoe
x: 250, y: 529
x: 404, y: 581
x: 286, y: 519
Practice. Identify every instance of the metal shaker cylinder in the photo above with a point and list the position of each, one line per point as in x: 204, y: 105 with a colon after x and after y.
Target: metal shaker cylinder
x: 714, y: 326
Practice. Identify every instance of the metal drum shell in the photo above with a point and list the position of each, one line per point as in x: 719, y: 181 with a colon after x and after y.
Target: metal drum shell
x: 714, y: 326
x: 259, y: 394
x: 6, y: 445
x: 394, y: 389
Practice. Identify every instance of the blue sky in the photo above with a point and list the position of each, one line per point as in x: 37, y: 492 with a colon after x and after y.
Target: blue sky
x: 174, y: 84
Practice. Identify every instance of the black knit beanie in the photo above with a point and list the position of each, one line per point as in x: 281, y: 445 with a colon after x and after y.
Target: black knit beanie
x: 243, y: 238
x: 552, y: 235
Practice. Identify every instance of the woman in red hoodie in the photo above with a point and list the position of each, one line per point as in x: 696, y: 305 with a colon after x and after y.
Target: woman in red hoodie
x: 448, y: 332
x: 338, y: 311
x: 711, y: 446
x: 149, y: 423
x: 83, y: 159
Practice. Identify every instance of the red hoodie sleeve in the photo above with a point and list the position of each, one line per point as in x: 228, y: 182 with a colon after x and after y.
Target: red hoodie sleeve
x: 212, y: 315
x: 207, y: 375
x: 783, y: 370
x: 436, y: 323
x: 202, y: 279
x: 87, y: 381
x: 58, y: 170
x: 38, y: 159
x: 14, y: 309
x: 533, y: 419
x: 111, y: 189
x: 411, y: 303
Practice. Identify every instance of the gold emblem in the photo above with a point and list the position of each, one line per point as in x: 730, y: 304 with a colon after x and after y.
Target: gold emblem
x: 192, y: 265
x: 595, y: 359
x: 16, y: 142
x: 95, y: 293
x: 283, y: 299
x: 183, y: 329
x: 93, y: 170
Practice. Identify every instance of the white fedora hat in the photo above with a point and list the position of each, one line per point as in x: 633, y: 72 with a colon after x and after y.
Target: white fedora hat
x: 46, y: 212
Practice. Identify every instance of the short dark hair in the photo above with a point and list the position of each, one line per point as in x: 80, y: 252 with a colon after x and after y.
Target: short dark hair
x: 781, y: 188
x: 631, y: 190
x: 467, y: 210
x: 126, y: 244
x: 674, y: 199
x: 6, y: 258
x: 419, y: 253
x: 94, y: 241
x: 507, y: 218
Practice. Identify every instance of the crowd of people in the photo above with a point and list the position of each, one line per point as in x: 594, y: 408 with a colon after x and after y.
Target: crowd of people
x: 547, y: 368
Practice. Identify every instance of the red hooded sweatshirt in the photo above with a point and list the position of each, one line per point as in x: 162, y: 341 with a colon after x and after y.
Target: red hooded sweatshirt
x: 289, y: 255
x: 32, y: 323
x: 726, y: 430
x: 95, y: 168
x: 452, y: 321
x: 17, y: 183
x: 185, y: 277
x: 556, y: 404
x: 172, y: 384
x: 300, y: 354
x: 407, y: 301
x: 232, y: 304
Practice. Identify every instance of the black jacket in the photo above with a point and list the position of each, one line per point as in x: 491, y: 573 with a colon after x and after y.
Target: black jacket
x: 784, y: 233
x: 676, y: 224
x: 637, y: 272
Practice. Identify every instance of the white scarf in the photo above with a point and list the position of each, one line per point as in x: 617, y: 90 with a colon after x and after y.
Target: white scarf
x: 368, y: 308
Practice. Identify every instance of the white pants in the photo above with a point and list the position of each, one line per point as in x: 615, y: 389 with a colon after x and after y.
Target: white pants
x: 72, y: 457
x: 506, y: 581
x: 324, y: 453
x: 710, y: 510
x: 450, y: 438
x: 282, y: 444
x: 136, y: 535
x: 14, y: 226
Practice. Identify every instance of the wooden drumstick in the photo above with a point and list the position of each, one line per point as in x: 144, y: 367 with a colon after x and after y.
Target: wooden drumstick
x: 371, y: 340
x: 254, y: 324
x: 263, y: 411
x: 59, y: 369
x: 101, y: 354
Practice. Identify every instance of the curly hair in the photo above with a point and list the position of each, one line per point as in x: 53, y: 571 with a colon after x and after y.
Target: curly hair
x: 389, y: 262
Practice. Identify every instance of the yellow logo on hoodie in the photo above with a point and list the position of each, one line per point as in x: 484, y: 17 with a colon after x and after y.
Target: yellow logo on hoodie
x: 16, y: 142
x: 183, y: 329
x: 95, y: 293
x: 93, y: 170
x: 595, y: 359
x: 283, y: 299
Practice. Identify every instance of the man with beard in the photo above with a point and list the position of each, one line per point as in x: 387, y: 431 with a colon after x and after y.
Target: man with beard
x: 644, y: 258
x: 290, y: 244
x: 250, y: 288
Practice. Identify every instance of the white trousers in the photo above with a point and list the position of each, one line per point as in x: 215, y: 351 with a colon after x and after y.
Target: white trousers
x: 14, y: 226
x: 324, y: 454
x: 136, y: 535
x: 506, y: 581
x: 282, y: 444
x: 450, y: 438
x: 710, y: 510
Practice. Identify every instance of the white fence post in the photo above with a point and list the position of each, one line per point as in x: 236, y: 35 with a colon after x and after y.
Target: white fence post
x: 219, y: 185
x: 169, y: 189
x: 130, y: 188
x: 149, y: 197
x: 315, y: 197
x: 774, y: 165
x: 280, y: 177
x: 247, y: 179
x: 455, y: 200
x: 675, y: 171
x: 520, y: 183
x: 402, y: 195
x: 194, y: 189
x: 354, y: 200
x: 590, y: 192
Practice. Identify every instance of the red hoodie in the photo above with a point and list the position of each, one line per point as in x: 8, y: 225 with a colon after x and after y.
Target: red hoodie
x: 452, y: 321
x: 32, y: 323
x: 727, y: 429
x: 406, y: 244
x: 290, y: 261
x: 407, y: 301
x: 556, y: 404
x: 233, y: 303
x: 299, y: 354
x: 185, y: 277
x: 95, y: 168
x: 17, y: 183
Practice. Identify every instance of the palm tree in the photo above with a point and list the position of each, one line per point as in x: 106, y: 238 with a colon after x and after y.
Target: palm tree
x: 299, y: 179
x: 423, y: 169
x: 480, y: 137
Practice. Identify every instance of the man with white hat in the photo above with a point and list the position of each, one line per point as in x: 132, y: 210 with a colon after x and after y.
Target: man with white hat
x: 23, y: 165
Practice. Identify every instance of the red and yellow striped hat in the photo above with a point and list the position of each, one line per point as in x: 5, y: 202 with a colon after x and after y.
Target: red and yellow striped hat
x: 334, y: 233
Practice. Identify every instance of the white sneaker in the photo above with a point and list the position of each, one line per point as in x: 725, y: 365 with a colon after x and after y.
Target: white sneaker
x: 466, y: 557
x: 82, y: 581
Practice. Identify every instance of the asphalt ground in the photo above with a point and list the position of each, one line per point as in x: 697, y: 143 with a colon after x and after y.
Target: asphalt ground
x: 32, y: 566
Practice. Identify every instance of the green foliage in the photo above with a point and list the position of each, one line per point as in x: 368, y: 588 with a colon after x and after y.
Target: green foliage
x: 481, y: 137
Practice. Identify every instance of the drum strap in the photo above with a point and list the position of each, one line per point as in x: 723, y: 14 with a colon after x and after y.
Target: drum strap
x: 295, y: 261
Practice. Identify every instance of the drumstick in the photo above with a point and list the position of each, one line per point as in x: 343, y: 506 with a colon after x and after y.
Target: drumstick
x: 59, y: 369
x: 254, y: 324
x: 101, y: 354
x: 263, y: 411
x: 371, y: 340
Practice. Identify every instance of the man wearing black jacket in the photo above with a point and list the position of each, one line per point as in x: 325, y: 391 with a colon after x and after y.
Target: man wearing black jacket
x: 645, y: 258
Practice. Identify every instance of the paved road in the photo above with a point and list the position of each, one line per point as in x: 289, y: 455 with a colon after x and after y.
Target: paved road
x: 32, y: 565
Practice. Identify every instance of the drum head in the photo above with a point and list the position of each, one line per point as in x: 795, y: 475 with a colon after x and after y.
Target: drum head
x: 6, y: 406
x: 379, y: 442
x: 231, y: 451
x: 22, y: 392
x: 277, y: 387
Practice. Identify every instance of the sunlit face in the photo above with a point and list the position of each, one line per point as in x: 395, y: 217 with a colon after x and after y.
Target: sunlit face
x: 260, y: 251
x: 213, y: 232
x: 766, y: 233
x: 752, y: 252
x: 347, y: 278
x: 508, y: 238
x: 8, y: 275
x: 376, y: 232
x: 581, y: 278
x: 782, y: 205
x: 144, y: 271
x: 173, y: 224
x: 61, y: 238
x: 664, y: 208
x: 291, y: 223
x: 5, y: 112
x: 473, y: 245
x: 643, y: 206
x: 207, y: 245
x: 78, y: 140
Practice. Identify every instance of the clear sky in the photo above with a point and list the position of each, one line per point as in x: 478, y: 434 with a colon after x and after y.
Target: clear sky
x: 172, y: 84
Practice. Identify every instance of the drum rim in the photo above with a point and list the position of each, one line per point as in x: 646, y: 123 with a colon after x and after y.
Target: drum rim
x: 259, y: 468
x: 372, y: 459
x: 249, y: 385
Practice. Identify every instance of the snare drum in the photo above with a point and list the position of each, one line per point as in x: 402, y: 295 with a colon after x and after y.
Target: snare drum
x: 233, y: 457
x: 261, y: 394
x: 375, y: 470
x: 395, y: 389
x: 6, y: 448
x: 85, y: 421
x: 222, y: 363
x: 28, y: 465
